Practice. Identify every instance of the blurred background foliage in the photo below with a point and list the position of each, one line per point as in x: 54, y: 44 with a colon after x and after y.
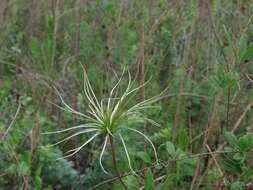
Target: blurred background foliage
x: 202, y: 50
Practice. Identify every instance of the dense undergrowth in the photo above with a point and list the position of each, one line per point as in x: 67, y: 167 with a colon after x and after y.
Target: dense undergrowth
x: 196, y: 134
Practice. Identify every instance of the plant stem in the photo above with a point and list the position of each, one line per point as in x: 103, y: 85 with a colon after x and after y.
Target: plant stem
x: 228, y: 109
x: 115, y: 163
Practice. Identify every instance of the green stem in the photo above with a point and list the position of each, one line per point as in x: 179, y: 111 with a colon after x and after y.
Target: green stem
x: 115, y: 163
x: 228, y: 109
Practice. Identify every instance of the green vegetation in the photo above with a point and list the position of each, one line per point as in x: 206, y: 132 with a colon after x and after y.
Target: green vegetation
x: 121, y: 94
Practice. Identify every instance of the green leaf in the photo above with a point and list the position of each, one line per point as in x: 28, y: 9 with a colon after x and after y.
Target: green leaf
x: 189, y: 166
x: 246, y: 142
x: 35, y: 49
x: 132, y: 182
x: 49, y: 188
x: 248, y: 53
x: 232, y: 165
x: 12, y: 168
x: 243, y: 42
x: 170, y: 149
x: 232, y: 140
x: 242, y: 46
x: 183, y: 139
x: 38, y: 183
x: 23, y: 168
x: 167, y: 183
x: 144, y: 156
x: 237, y: 185
x: 149, y: 182
x: 239, y: 157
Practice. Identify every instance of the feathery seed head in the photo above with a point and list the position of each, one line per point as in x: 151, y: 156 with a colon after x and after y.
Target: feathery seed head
x: 107, y: 118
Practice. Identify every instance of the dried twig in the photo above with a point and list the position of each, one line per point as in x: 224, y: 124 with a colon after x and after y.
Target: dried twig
x: 217, y: 164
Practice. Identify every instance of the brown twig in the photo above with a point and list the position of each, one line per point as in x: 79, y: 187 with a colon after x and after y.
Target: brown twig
x: 236, y: 126
x: 163, y: 163
x: 217, y: 164
x: 160, y: 178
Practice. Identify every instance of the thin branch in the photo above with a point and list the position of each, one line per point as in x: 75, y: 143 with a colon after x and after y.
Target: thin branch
x: 160, y: 178
x: 164, y: 163
x: 111, y: 140
x: 217, y: 164
x: 236, y: 126
x: 12, y: 122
